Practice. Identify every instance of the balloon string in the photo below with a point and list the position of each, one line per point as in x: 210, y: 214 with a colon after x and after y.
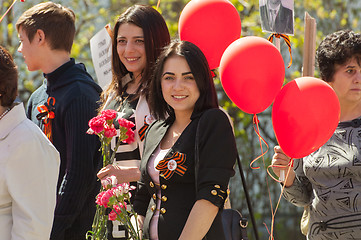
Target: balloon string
x: 158, y: 4
x: 280, y: 197
x: 7, y: 11
x: 287, y: 41
x: 261, y: 139
x: 290, y: 164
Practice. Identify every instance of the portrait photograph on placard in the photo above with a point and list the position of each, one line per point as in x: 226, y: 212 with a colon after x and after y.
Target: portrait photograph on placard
x: 277, y: 16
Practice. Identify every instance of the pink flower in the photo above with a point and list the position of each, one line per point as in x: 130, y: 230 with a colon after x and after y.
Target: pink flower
x: 109, y: 132
x: 109, y: 182
x: 97, y: 124
x: 99, y: 198
x: 117, y: 207
x: 123, y: 189
x: 90, y: 131
x: 103, y: 198
x: 112, y: 216
x: 109, y: 114
x: 117, y: 210
x: 130, y: 135
x: 125, y: 123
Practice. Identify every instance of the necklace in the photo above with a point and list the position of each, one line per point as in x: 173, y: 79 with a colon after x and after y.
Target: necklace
x: 4, y: 113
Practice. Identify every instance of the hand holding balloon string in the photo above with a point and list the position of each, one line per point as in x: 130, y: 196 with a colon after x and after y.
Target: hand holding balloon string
x: 281, y: 163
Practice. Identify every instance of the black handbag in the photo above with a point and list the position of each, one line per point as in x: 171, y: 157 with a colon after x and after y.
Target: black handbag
x: 234, y: 224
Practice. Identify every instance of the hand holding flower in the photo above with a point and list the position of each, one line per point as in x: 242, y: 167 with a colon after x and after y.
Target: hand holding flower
x: 112, y: 196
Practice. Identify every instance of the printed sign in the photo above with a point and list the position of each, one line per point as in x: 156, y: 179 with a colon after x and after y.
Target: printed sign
x: 101, y: 51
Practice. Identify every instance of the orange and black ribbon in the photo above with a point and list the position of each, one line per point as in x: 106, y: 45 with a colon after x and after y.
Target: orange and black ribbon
x: 46, y: 114
x: 287, y: 41
x: 174, y: 164
x: 143, y: 129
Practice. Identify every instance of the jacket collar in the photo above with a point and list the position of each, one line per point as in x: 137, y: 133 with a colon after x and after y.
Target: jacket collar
x: 11, y: 120
x: 53, y: 76
x: 66, y: 74
x: 159, y: 129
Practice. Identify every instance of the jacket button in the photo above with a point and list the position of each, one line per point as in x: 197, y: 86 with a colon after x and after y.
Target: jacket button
x: 151, y: 184
x: 162, y: 210
x: 164, y: 199
x: 164, y: 186
x: 154, y: 196
x: 217, y: 186
x: 214, y: 192
x: 152, y: 208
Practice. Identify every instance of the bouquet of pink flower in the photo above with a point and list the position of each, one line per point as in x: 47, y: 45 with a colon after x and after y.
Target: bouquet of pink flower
x: 102, y: 125
x: 112, y: 196
x: 115, y: 198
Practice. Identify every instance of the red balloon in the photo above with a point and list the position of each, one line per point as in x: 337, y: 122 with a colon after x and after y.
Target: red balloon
x: 252, y: 72
x: 211, y: 25
x: 305, y: 114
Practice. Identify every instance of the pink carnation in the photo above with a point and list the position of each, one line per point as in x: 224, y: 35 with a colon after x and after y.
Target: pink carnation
x: 130, y: 137
x: 99, y: 198
x: 97, y: 124
x: 103, y: 198
x: 109, y: 182
x: 117, y: 207
x: 109, y: 114
x: 117, y: 210
x: 112, y: 216
x: 125, y: 123
x: 109, y: 132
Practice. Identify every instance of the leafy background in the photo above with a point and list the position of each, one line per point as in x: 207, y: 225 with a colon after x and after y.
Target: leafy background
x: 92, y: 15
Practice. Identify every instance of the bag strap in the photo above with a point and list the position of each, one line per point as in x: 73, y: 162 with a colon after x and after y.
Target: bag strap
x: 196, y: 166
x: 196, y: 155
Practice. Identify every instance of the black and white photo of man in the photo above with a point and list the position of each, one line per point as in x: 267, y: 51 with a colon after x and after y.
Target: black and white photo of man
x: 277, y: 16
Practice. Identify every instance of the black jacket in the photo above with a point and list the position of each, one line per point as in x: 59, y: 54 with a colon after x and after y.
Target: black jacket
x: 217, y: 155
x: 76, y: 101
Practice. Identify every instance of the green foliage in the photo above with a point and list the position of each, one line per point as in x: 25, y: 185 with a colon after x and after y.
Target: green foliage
x: 92, y: 15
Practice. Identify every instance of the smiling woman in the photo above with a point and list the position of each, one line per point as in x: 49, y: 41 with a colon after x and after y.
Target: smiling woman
x: 182, y: 93
x: 139, y: 35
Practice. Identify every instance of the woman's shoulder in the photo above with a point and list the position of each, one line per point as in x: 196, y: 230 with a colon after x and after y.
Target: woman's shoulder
x: 215, y: 115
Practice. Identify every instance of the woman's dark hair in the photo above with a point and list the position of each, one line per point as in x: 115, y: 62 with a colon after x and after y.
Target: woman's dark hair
x: 156, y: 37
x: 337, y: 48
x: 202, y: 74
x: 8, y: 78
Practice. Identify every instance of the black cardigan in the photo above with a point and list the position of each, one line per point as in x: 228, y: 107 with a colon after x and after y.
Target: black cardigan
x: 217, y: 155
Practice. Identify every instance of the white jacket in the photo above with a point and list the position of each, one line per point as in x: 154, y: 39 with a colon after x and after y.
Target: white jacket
x: 29, y: 168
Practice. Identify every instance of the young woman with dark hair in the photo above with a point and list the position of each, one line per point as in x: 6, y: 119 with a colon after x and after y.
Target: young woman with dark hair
x: 139, y: 36
x: 183, y: 100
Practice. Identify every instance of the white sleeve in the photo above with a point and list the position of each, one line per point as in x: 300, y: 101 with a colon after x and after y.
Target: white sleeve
x: 31, y: 175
